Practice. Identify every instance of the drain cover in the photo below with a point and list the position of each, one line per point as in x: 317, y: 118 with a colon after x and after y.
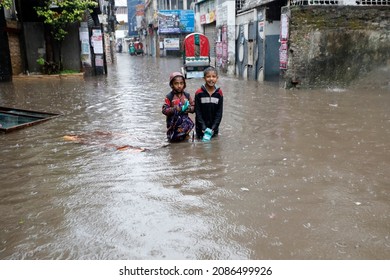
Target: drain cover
x: 12, y: 118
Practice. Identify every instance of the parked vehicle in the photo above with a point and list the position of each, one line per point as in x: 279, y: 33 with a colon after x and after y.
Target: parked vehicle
x: 131, y: 49
x: 136, y: 48
x: 139, y: 48
x: 196, y: 55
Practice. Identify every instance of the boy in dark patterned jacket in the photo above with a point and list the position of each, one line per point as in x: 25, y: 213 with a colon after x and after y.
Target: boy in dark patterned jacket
x: 208, y: 104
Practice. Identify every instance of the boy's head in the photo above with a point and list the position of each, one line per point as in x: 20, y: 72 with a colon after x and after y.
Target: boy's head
x: 210, y: 76
x: 209, y: 70
x: 177, y: 81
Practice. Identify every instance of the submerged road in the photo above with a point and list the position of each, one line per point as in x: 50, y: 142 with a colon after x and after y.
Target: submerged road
x: 295, y: 174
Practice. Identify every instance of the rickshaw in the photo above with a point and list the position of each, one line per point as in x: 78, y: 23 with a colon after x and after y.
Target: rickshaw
x: 131, y: 49
x: 138, y: 48
x: 196, y: 55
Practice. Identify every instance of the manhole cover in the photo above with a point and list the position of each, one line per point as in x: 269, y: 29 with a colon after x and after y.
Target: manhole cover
x: 12, y: 118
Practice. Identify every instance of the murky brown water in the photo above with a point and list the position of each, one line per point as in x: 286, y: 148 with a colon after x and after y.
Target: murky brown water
x: 300, y: 174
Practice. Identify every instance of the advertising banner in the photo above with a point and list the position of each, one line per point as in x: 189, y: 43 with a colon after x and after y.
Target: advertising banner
x: 283, y: 55
x: 140, y: 10
x: 172, y: 44
x: 176, y: 21
x: 283, y: 50
x: 284, y: 27
x: 139, y: 14
x: 97, y: 41
x: 85, y: 47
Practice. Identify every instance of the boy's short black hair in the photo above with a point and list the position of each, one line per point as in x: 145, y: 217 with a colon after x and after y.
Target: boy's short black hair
x: 210, y: 69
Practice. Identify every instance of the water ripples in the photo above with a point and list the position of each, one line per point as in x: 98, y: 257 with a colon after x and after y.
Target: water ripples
x: 284, y: 175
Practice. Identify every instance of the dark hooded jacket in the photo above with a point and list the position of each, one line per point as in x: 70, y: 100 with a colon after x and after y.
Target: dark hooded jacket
x: 208, y: 110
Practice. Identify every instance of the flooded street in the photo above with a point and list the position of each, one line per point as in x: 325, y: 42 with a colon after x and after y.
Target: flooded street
x: 295, y: 174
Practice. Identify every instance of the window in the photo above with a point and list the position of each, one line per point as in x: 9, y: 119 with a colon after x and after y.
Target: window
x: 239, y: 4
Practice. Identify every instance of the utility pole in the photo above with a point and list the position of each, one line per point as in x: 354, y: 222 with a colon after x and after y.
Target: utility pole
x: 155, y: 26
x: 157, y: 44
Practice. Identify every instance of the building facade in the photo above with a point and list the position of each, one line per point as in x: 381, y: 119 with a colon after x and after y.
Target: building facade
x: 164, y: 25
x: 251, y: 38
x: 28, y: 38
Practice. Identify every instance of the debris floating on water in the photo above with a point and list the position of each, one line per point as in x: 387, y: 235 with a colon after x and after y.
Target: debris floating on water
x: 100, y: 138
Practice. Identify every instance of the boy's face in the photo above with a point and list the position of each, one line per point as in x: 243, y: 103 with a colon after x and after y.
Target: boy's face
x: 211, y: 78
x: 178, y: 84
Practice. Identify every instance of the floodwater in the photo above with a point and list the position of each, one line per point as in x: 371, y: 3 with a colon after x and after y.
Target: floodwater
x: 295, y: 174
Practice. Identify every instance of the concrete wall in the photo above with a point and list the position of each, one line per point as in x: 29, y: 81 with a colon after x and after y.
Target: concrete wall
x: 334, y: 45
x: 15, y: 47
x: 5, y: 59
x: 225, y: 21
x: 271, y: 63
x: 36, y: 47
x: 35, y: 44
x: 71, y: 49
x: 257, y: 45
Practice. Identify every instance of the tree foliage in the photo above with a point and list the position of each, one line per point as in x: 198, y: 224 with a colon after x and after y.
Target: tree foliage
x: 5, y: 3
x: 58, y: 14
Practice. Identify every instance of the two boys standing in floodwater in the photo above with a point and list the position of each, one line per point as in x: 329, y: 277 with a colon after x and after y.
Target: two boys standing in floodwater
x: 207, y: 106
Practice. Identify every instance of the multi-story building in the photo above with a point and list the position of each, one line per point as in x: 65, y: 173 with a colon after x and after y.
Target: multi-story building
x: 121, y: 14
x: 164, y: 26
x: 311, y: 42
x: 215, y: 19
x: 122, y: 26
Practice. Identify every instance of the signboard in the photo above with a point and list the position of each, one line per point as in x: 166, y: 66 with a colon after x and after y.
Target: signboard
x: 218, y: 53
x: 176, y: 21
x: 222, y: 48
x: 202, y: 19
x: 207, y: 12
x: 283, y: 55
x: 85, y: 47
x: 207, y: 18
x: 139, y: 14
x: 97, y: 41
x: 172, y: 44
x: 261, y: 29
x: 284, y: 27
x: 140, y: 10
x: 283, y: 50
x: 221, y: 14
x: 99, y: 61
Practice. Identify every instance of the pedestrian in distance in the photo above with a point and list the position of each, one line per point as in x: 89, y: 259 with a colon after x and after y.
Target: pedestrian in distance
x: 119, y: 46
x: 208, y: 106
x: 177, y: 105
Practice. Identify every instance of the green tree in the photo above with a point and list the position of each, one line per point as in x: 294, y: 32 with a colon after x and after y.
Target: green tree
x: 59, y: 14
x: 5, y: 3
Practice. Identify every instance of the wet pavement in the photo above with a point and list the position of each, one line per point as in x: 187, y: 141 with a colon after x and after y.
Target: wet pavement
x: 295, y: 174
